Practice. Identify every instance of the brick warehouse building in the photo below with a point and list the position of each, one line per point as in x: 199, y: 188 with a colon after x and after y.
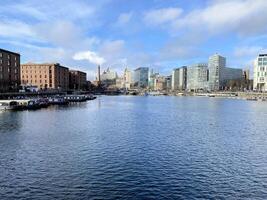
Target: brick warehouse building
x: 77, y: 80
x: 45, y: 75
x: 9, y: 71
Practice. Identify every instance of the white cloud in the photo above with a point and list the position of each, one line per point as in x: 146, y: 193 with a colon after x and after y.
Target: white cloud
x: 15, y: 29
x: 244, y: 17
x: 90, y: 56
x: 124, y: 18
x: 161, y: 16
x: 249, y: 51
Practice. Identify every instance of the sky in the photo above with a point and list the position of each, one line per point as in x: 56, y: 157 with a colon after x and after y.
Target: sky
x: 160, y: 34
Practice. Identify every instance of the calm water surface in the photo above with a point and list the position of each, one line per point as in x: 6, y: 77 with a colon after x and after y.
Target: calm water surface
x: 136, y: 148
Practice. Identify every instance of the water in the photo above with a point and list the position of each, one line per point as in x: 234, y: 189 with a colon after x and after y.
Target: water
x: 136, y: 148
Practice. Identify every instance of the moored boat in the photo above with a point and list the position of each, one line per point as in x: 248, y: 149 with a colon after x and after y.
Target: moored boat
x: 9, y: 105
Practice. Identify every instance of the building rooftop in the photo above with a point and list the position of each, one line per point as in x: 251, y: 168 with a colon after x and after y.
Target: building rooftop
x: 3, y: 50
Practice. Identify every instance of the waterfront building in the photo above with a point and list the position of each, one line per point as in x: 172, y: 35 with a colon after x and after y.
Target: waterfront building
x: 9, y: 71
x: 77, y: 80
x: 45, y: 75
x: 108, y: 77
x: 119, y: 82
x: 169, y: 82
x: 127, y: 78
x: 153, y: 80
x: 160, y: 83
x: 141, y: 77
x: 216, y: 66
x: 219, y: 74
x: 179, y: 78
x: 260, y: 73
x: 197, y: 77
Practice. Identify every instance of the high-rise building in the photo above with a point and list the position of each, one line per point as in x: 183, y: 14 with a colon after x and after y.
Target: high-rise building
x: 260, y: 73
x: 9, y: 71
x: 141, y: 77
x: 77, y: 80
x: 197, y: 77
x: 45, y: 75
x: 179, y: 77
x: 127, y: 78
x: 219, y: 74
x: 108, y: 77
x: 169, y: 82
x: 216, y: 66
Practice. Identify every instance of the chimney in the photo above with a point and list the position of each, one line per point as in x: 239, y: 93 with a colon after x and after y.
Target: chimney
x: 98, y: 74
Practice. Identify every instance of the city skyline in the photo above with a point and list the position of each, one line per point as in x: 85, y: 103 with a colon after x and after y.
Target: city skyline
x: 158, y: 34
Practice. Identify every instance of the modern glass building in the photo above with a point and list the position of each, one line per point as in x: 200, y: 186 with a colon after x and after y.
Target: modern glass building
x: 219, y: 74
x: 179, y: 78
x: 260, y: 73
x: 197, y: 77
x: 141, y: 77
x: 216, y: 66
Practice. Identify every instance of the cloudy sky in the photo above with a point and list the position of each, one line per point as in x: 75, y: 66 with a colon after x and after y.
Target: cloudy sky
x: 161, y: 34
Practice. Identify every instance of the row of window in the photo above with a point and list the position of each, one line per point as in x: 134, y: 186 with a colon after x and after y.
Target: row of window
x: 9, y: 70
x: 26, y: 71
x: 14, y: 78
x: 8, y: 63
x: 26, y: 76
x: 262, y: 59
x: 262, y: 74
x: 36, y: 67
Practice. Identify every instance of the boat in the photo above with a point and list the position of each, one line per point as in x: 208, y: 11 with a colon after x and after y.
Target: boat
x: 32, y: 105
x: 90, y: 97
x: 58, y: 100
x: 252, y: 99
x: 75, y: 98
x: 9, y: 105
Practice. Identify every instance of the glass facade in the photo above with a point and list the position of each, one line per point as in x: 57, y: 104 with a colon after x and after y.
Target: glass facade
x: 197, y: 77
x: 141, y: 77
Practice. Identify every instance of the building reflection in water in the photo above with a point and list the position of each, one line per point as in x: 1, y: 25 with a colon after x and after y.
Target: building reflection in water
x: 10, y: 121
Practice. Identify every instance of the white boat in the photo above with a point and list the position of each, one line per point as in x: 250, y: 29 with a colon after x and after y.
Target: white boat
x: 9, y: 105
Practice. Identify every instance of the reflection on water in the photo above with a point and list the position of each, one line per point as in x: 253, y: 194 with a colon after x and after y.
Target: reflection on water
x: 136, y: 147
x: 10, y: 121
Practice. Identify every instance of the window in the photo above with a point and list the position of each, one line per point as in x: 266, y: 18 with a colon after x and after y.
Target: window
x: 1, y: 61
x: 8, y: 56
x: 1, y: 55
x: 8, y: 62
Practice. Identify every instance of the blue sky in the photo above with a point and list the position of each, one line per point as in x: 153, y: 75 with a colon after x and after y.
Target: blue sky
x: 160, y: 34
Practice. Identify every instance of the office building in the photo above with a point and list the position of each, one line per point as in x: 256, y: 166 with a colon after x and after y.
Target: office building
x: 9, y: 71
x: 141, y: 77
x: 77, y: 80
x: 179, y: 78
x: 197, y: 77
x: 260, y: 73
x: 219, y: 74
x: 45, y: 75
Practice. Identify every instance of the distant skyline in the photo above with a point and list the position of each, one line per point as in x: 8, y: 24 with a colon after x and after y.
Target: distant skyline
x: 160, y: 34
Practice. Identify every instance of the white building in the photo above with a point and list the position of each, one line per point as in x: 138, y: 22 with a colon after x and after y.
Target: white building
x: 127, y: 78
x: 260, y: 73
x: 219, y: 74
x: 108, y: 75
x: 197, y: 77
